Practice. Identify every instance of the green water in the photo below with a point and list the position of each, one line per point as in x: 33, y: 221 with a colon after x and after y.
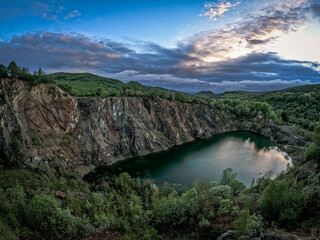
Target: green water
x: 248, y: 154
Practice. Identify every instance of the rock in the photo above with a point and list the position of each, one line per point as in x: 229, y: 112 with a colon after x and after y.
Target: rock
x: 83, y: 169
x: 279, y: 236
x: 60, y: 194
x: 226, y: 236
x: 33, y: 162
x: 247, y: 237
x: 306, y: 169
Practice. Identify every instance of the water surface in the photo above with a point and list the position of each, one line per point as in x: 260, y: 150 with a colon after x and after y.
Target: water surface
x: 248, y: 154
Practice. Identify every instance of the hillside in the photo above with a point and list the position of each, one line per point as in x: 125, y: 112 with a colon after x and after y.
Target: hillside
x: 298, y: 106
x: 49, y: 139
x: 87, y: 84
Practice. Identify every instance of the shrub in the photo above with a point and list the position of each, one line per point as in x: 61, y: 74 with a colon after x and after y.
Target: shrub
x: 45, y: 215
x: 17, y: 145
x: 240, y: 225
x: 225, y: 207
x: 254, y: 225
x: 282, y: 202
x: 204, y: 223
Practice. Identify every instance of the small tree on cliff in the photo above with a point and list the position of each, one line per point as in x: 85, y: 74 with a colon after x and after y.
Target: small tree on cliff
x: 3, y: 71
x: 13, y: 70
x: 227, y: 176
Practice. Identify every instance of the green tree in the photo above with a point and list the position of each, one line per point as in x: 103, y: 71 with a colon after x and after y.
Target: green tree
x: 313, y: 152
x: 285, y: 116
x: 227, y: 176
x: 237, y: 186
x: 3, y: 71
x: 13, y: 70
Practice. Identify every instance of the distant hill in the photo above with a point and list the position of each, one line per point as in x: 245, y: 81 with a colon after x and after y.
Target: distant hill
x: 90, y: 85
x: 236, y: 95
x: 206, y: 93
x: 296, y: 105
x: 87, y: 84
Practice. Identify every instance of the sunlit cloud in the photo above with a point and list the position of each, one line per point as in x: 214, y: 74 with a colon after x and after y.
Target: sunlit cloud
x: 256, y: 33
x: 215, y: 10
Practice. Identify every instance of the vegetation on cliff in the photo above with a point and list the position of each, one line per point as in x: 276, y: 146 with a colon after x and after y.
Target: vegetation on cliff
x: 297, y: 106
x: 15, y: 71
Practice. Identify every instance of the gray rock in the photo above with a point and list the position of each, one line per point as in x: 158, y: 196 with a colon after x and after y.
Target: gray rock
x: 226, y: 236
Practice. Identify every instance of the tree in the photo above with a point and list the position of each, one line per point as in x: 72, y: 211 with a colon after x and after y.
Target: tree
x: 313, y: 152
x: 237, y: 186
x: 40, y: 74
x: 285, y: 116
x: 25, y: 73
x: 3, y: 71
x: 227, y: 176
x: 13, y: 70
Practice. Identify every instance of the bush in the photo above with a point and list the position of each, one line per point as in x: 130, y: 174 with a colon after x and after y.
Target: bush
x: 225, y: 207
x: 44, y: 214
x: 254, y: 225
x: 17, y: 145
x: 6, y: 233
x: 240, y: 225
x: 282, y: 202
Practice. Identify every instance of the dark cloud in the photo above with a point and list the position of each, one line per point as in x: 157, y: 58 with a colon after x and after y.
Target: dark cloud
x: 315, y: 8
x: 49, y: 10
x: 155, y: 65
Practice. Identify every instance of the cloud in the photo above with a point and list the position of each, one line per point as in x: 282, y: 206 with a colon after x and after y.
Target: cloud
x: 251, y: 85
x: 153, y: 64
x: 315, y: 8
x: 73, y: 14
x: 215, y: 10
x: 45, y: 10
x: 157, y: 79
x: 237, y: 56
x: 48, y: 10
x: 256, y: 32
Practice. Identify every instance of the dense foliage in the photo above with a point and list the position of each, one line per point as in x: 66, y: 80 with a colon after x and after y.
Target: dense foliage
x: 55, y: 205
x: 297, y: 106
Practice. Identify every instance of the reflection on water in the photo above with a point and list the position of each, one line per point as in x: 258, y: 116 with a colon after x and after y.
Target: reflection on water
x: 248, y: 154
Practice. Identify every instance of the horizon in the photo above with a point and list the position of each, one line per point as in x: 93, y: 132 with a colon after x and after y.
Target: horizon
x: 188, y: 46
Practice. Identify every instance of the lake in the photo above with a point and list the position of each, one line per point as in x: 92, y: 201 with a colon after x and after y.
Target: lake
x: 249, y: 155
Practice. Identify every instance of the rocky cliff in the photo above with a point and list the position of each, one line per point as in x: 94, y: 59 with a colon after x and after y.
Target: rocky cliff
x: 82, y: 133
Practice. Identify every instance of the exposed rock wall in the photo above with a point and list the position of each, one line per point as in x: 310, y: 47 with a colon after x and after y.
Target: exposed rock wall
x: 85, y: 132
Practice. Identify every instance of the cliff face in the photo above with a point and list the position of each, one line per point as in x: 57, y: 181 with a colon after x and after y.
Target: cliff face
x: 82, y: 133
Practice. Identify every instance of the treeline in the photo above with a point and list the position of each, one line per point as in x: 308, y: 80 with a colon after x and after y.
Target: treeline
x: 15, y: 71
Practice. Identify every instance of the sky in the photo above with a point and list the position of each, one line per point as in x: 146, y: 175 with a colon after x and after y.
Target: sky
x: 186, y: 45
